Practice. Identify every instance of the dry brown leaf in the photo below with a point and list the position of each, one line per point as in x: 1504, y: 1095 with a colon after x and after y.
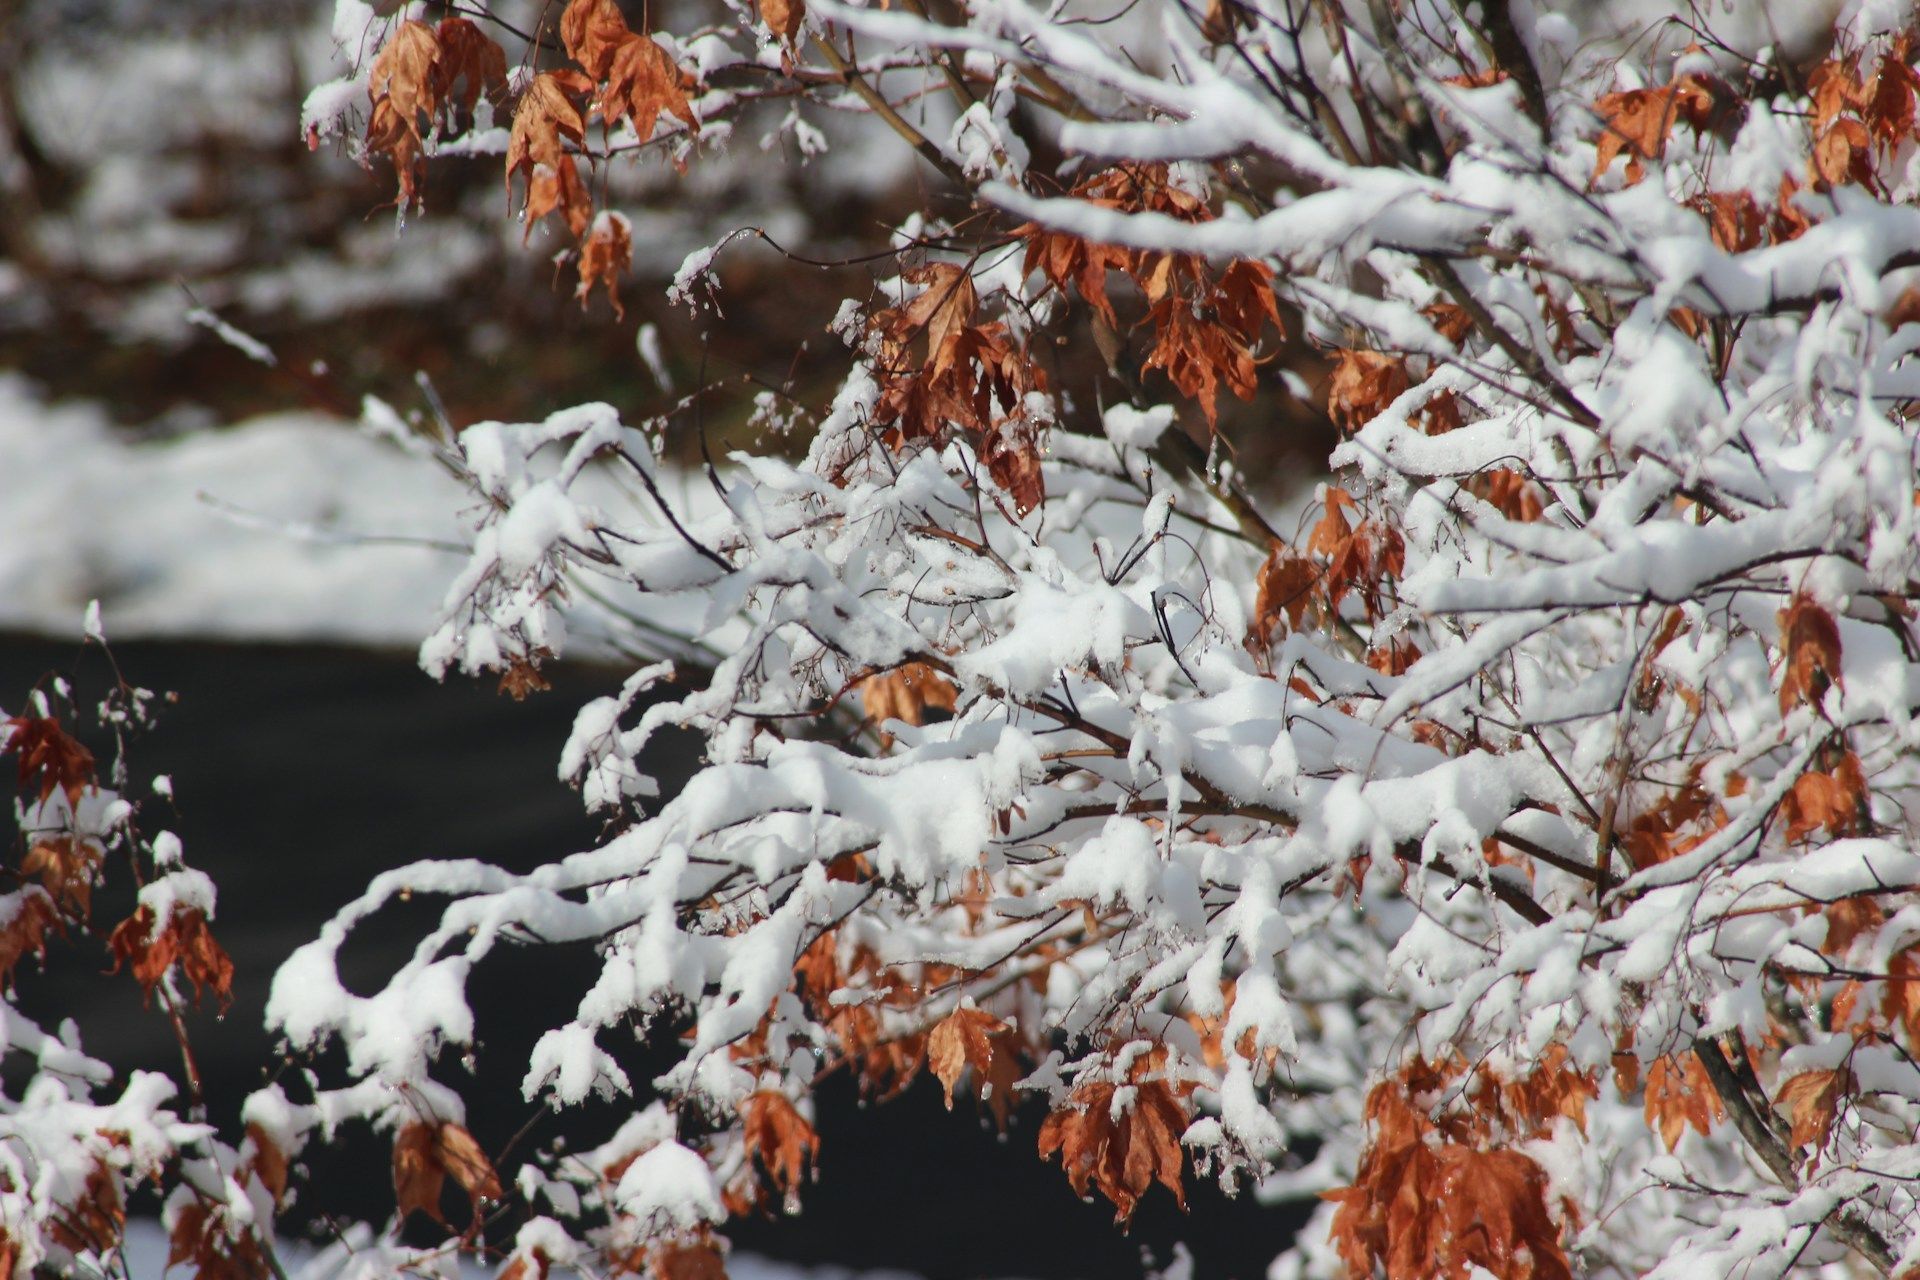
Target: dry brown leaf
x: 267, y: 1162
x: 1847, y: 920
x: 417, y: 1175
x: 1810, y: 639
x: 1283, y: 590
x: 941, y: 310
x: 470, y: 65
x: 24, y: 931
x: 696, y: 1259
x: 606, y: 252
x: 644, y: 83
x: 458, y: 1154
x: 1122, y: 1155
x: 907, y: 693
x: 1843, y: 155
x: 1363, y: 384
x: 1012, y: 456
x: 1425, y: 1204
x: 1813, y: 1100
x: 66, y: 866
x: 779, y: 1138
x: 1637, y: 122
x: 403, y: 73
x: 184, y: 939
x: 783, y: 17
x: 972, y: 1039
x: 1835, y: 800
x: 547, y: 118
x: 1679, y: 1094
x: 562, y: 190
x: 95, y: 1221
x: 51, y: 759
x: 592, y: 30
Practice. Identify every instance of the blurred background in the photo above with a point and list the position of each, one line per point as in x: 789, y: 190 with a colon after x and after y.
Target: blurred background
x: 257, y: 554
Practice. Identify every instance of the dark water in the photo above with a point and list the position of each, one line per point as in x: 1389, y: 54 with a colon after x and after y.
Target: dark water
x: 301, y: 772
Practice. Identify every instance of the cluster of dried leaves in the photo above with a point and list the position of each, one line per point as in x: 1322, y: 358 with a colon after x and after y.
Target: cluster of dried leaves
x: 1442, y: 1191
x: 425, y: 77
x: 1206, y: 322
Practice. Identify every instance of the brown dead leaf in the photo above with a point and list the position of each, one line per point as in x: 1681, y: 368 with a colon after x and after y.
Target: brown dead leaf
x: 185, y: 940
x: 25, y: 930
x: 972, y: 1039
x: 644, y: 83
x: 1424, y: 1204
x: 1122, y: 1155
x: 1810, y: 639
x: 50, y: 760
x: 94, y: 1221
x: 592, y: 30
x: 66, y: 866
x: 779, y: 1138
x: 783, y: 17
x: 1835, y: 800
x: 695, y: 1259
x: 1636, y: 122
x: 1363, y: 384
x: 267, y: 1162
x: 458, y: 1154
x: 470, y: 65
x: 607, y: 251
x: 403, y: 73
x: 417, y: 1174
x: 1283, y: 590
x: 1813, y: 1100
x: 547, y: 118
x: 1678, y: 1095
x: 907, y: 693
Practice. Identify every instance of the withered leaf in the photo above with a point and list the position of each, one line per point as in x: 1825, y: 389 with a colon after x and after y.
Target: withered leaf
x: 417, y: 1174
x: 973, y: 1039
x: 696, y: 1259
x: 779, y: 1138
x: 151, y: 949
x: 471, y: 63
x: 50, y: 759
x: 1835, y: 800
x: 591, y: 31
x: 66, y: 866
x: 644, y: 83
x: 1810, y: 639
x: 1637, y: 122
x: 559, y: 189
x: 1678, y: 1095
x: 1283, y: 590
x: 458, y: 1154
x: 606, y: 252
x: 31, y: 915
x: 545, y: 120
x: 1364, y: 383
x: 783, y: 17
x: 1813, y: 1100
x: 403, y: 72
x: 907, y: 693
x: 1122, y: 1155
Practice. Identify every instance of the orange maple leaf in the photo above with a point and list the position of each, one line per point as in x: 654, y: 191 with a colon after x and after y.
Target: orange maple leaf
x: 644, y: 83
x: 779, y: 1138
x: 972, y: 1039
x: 1122, y: 1150
x: 606, y: 252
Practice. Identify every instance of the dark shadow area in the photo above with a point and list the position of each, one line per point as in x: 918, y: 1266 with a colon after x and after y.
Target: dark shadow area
x: 302, y: 772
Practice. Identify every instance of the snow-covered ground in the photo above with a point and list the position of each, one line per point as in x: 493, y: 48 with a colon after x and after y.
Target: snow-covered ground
x: 259, y: 531
x: 146, y: 1259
